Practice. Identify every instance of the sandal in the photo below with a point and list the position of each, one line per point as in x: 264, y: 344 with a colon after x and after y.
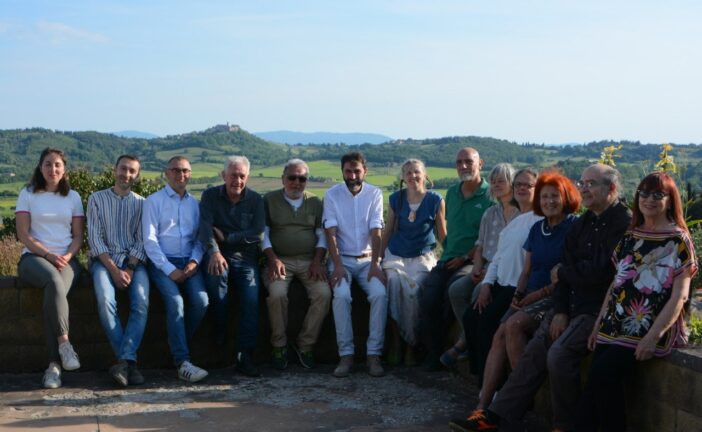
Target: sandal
x: 452, y: 355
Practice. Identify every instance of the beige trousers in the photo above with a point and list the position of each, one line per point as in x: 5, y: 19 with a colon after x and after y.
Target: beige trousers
x: 318, y: 292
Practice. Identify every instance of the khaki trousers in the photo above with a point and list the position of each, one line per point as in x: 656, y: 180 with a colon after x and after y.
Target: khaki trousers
x: 318, y: 292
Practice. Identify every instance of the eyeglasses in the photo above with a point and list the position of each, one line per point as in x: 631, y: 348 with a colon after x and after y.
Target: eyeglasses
x: 519, y: 185
x: 301, y: 179
x: 657, y: 195
x: 180, y: 170
x: 588, y: 184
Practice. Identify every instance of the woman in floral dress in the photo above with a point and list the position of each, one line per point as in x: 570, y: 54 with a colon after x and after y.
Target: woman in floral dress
x: 642, y: 315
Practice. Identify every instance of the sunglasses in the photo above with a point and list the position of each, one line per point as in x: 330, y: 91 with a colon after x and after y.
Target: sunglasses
x: 301, y: 179
x: 658, y: 195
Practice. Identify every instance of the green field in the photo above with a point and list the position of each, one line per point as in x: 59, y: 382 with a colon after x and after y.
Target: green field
x: 263, y: 179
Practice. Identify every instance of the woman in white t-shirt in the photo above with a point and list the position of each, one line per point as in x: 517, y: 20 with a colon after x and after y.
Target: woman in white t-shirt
x: 50, y: 224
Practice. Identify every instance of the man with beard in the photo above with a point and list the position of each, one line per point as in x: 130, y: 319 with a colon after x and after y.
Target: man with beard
x: 353, y: 220
x: 465, y: 204
x: 294, y: 244
x: 118, y: 257
x: 560, y: 343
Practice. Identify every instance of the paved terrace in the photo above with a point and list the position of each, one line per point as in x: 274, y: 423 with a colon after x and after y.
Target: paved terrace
x: 293, y: 400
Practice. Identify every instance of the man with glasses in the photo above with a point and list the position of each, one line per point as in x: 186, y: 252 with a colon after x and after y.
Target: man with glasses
x: 560, y: 343
x: 465, y: 204
x: 231, y: 230
x: 294, y: 245
x: 170, y: 224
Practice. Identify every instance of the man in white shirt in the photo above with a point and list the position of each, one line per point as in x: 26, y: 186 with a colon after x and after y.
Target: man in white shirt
x: 353, y: 220
x: 170, y: 223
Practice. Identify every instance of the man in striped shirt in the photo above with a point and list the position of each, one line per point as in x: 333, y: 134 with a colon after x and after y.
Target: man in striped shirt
x: 117, y: 264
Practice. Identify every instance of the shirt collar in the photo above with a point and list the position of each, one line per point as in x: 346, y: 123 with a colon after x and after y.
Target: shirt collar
x: 171, y: 192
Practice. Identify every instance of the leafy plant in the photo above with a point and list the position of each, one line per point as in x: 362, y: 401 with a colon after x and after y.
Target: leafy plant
x: 695, y: 326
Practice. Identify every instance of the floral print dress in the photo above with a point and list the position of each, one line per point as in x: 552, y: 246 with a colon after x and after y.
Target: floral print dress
x: 647, y: 263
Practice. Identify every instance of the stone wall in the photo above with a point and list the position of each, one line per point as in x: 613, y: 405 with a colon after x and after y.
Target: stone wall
x: 24, y: 348
x: 662, y: 395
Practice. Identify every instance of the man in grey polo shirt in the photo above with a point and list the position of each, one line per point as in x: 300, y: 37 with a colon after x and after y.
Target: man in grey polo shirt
x: 353, y: 219
x: 294, y: 244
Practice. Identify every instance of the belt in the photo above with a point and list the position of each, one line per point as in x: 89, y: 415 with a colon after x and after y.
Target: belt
x: 363, y: 255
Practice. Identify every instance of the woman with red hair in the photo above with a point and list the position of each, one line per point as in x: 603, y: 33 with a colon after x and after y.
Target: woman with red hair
x: 642, y: 314
x: 498, y: 332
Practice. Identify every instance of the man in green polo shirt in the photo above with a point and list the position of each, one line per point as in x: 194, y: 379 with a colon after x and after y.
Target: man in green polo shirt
x: 294, y: 244
x: 465, y: 204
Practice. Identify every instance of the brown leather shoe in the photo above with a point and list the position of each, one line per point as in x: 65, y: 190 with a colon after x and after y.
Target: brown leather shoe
x: 375, y: 369
x: 344, y: 368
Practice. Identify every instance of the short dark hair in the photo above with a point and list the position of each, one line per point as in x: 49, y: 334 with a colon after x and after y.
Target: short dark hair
x: 127, y: 156
x: 38, y: 182
x: 353, y: 157
x: 177, y: 158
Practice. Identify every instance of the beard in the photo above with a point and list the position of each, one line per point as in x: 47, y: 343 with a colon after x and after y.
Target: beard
x: 353, y: 184
x: 467, y: 177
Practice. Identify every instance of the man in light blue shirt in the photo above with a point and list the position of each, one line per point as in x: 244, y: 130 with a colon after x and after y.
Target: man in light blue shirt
x: 170, y: 223
x: 118, y: 257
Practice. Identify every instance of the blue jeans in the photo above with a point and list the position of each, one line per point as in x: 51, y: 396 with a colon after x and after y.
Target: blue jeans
x: 242, y: 276
x: 125, y: 342
x: 181, y: 323
x: 341, y: 305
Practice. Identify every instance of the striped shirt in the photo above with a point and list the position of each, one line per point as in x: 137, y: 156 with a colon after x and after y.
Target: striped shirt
x: 114, y: 226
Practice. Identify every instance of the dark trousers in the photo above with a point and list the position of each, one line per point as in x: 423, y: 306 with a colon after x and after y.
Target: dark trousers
x: 560, y: 359
x: 602, y: 405
x: 433, y: 307
x: 481, y: 327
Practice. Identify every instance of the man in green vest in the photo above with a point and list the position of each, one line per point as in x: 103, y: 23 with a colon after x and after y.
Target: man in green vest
x: 294, y: 245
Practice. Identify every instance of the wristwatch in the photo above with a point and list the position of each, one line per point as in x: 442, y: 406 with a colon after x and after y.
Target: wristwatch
x: 131, y: 266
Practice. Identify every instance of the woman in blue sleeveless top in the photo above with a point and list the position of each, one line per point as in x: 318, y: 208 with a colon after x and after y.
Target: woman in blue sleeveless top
x: 414, y: 223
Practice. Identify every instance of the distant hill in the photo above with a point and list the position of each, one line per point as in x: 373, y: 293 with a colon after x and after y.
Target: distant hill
x: 134, y: 134
x: 291, y: 137
x: 20, y: 148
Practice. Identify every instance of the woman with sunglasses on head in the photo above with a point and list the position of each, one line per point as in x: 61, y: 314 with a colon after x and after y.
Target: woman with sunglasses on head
x: 461, y: 292
x: 642, y: 314
x: 415, y: 220
x: 50, y: 224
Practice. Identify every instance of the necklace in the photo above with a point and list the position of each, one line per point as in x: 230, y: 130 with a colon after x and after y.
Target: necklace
x: 545, y: 232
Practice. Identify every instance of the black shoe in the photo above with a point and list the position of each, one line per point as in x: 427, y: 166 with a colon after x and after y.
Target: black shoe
x: 280, y: 357
x: 245, y: 364
x: 135, y: 377
x: 120, y: 373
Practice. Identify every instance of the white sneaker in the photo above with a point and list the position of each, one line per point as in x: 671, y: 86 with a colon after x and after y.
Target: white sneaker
x: 69, y: 358
x: 190, y: 373
x: 52, y: 376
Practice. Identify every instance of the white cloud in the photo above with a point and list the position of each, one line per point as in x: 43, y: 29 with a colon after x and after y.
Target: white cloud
x: 59, y: 32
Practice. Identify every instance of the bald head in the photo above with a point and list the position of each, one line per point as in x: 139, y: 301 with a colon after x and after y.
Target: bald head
x: 599, y: 186
x: 468, y: 164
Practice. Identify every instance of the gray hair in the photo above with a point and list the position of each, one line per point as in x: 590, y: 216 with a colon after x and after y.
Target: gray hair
x: 296, y: 162
x: 501, y: 170
x: 237, y: 160
x: 610, y: 176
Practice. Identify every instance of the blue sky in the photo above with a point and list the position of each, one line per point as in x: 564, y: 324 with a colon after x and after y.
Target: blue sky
x: 536, y: 71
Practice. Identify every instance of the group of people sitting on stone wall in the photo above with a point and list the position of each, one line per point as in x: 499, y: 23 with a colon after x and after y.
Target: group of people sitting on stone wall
x: 534, y: 286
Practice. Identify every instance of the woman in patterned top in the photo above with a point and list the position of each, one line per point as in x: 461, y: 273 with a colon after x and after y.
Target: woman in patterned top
x: 642, y: 314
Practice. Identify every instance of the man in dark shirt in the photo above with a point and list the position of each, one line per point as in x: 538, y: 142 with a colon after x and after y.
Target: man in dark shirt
x: 560, y: 343
x: 231, y: 229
